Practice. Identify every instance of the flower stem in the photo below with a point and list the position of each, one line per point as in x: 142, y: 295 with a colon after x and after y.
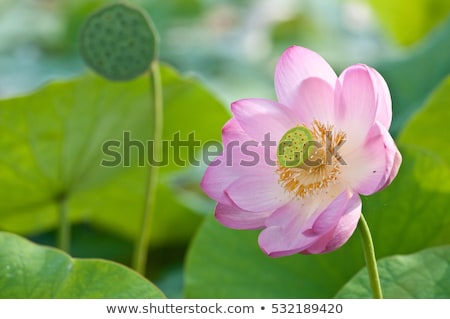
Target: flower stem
x: 156, y: 106
x: 64, y: 225
x: 369, y: 256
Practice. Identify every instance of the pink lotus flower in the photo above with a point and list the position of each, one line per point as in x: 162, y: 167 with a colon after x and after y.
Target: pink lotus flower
x: 332, y: 144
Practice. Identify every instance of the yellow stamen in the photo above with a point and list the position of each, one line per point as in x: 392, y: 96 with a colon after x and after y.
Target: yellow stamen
x: 322, y: 167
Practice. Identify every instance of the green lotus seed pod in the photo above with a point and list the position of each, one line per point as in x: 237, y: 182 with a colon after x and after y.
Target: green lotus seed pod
x: 293, y: 147
x: 119, y: 42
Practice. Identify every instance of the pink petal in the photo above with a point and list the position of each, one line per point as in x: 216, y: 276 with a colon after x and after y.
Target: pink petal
x: 314, y: 101
x: 228, y: 167
x: 259, y: 117
x: 356, y: 104
x: 236, y: 218
x: 374, y: 165
x: 232, y: 131
x: 393, y: 160
x: 330, y: 216
x: 384, y: 109
x: 216, y: 179
x: 345, y: 228
x: 342, y: 231
x: 284, y: 233
x: 298, y: 225
x: 258, y: 193
x: 295, y: 65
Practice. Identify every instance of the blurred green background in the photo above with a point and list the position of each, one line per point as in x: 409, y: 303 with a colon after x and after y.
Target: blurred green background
x: 234, y: 45
x: 225, y: 50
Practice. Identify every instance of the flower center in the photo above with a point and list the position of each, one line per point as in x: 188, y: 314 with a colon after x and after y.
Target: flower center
x: 308, y: 161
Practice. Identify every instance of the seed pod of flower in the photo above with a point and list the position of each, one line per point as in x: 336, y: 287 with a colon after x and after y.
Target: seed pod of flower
x: 119, y: 42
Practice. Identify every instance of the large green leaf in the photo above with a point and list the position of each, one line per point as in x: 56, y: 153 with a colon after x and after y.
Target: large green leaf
x: 32, y: 271
x: 427, y: 133
x: 51, y: 149
x: 425, y: 274
x: 413, y: 78
x: 409, y: 21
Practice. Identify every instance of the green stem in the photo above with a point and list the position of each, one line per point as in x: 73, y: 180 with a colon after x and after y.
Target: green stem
x: 64, y: 225
x: 369, y: 256
x: 156, y: 106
